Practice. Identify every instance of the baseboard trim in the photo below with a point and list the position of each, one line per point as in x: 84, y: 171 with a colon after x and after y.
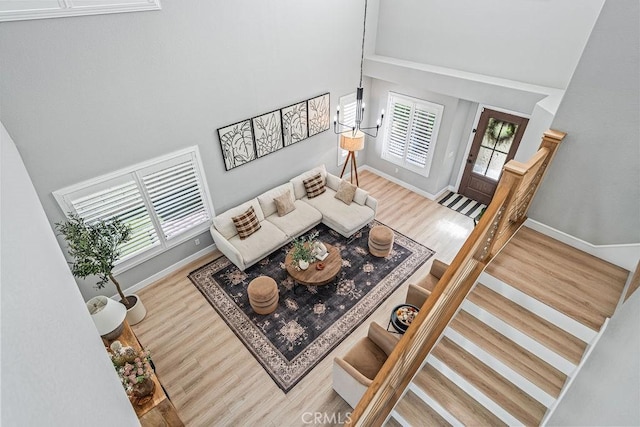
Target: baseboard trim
x: 409, y: 187
x: 623, y: 255
x: 160, y: 274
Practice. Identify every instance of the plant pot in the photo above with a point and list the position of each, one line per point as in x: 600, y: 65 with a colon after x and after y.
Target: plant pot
x: 108, y: 316
x: 136, y: 313
x: 303, y: 264
x: 143, y: 391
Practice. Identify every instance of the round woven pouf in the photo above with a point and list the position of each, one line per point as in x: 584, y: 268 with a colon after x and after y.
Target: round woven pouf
x: 263, y: 294
x: 380, y: 241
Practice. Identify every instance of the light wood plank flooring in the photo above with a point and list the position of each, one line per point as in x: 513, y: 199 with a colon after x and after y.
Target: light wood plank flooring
x: 212, y: 378
x: 577, y: 284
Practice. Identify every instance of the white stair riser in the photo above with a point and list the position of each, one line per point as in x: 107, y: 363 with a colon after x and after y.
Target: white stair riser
x: 435, y: 405
x: 528, y: 343
x: 512, y: 376
x: 538, y: 308
x: 472, y: 391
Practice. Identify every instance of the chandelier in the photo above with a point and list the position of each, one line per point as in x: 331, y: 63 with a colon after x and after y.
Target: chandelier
x: 357, y: 130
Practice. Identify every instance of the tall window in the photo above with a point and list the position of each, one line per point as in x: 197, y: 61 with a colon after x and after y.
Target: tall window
x: 411, y: 132
x: 164, y: 201
x: 347, y: 117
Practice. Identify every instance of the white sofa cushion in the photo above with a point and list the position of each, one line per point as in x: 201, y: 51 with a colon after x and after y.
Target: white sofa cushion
x: 259, y: 244
x: 361, y: 196
x: 296, y: 222
x: 298, y: 185
x: 345, y: 219
x: 224, y: 224
x: 266, y: 199
x: 333, y: 182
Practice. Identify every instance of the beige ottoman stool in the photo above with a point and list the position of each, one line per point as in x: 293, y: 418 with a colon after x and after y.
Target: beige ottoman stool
x: 263, y: 294
x: 380, y: 241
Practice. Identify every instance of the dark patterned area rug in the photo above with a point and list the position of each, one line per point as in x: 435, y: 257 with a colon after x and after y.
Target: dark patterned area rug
x: 309, y: 321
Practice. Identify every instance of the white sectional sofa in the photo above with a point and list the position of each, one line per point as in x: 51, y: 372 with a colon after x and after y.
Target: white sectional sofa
x: 275, y: 231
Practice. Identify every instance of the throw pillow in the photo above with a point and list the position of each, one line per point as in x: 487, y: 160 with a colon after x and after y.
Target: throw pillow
x: 246, y: 223
x: 314, y: 186
x: 345, y: 192
x: 360, y: 196
x: 284, y: 204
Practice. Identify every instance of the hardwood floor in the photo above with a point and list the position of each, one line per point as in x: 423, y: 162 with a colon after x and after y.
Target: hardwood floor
x: 211, y: 377
x: 577, y: 284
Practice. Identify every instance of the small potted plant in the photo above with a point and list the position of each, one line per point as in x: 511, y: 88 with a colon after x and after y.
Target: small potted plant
x: 302, y: 252
x: 95, y: 248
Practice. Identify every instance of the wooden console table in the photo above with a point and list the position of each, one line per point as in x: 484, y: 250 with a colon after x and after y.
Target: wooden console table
x: 158, y: 411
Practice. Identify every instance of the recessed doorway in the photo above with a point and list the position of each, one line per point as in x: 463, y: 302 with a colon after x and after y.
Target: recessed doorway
x: 495, y: 142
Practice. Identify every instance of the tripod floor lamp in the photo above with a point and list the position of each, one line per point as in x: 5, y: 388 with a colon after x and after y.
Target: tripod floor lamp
x: 351, y: 142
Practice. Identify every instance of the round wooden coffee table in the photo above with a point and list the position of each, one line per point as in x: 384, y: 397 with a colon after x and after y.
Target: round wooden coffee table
x: 312, y: 276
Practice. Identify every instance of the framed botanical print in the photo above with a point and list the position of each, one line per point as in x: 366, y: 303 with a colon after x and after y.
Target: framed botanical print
x: 236, y: 141
x: 267, y: 133
x: 318, y: 110
x: 294, y: 123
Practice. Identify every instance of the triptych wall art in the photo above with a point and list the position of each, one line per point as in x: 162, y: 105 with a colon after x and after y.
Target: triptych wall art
x: 253, y: 138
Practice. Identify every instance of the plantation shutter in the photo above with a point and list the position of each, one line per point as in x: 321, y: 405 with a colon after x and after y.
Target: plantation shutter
x: 419, y: 140
x: 348, y: 118
x: 398, y: 128
x: 163, y: 200
x: 175, y: 193
x: 412, y: 132
x: 119, y: 198
x: 349, y: 113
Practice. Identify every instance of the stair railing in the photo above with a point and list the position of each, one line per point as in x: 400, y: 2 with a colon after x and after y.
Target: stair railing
x: 502, y: 218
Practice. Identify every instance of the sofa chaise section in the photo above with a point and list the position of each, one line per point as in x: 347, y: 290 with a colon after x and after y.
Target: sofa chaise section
x: 337, y: 215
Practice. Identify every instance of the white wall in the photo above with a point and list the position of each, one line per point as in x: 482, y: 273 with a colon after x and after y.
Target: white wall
x: 55, y: 370
x: 606, y: 392
x: 84, y: 96
x: 534, y: 41
x: 592, y: 190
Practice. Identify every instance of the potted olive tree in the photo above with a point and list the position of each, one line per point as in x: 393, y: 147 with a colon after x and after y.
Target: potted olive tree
x: 95, y: 248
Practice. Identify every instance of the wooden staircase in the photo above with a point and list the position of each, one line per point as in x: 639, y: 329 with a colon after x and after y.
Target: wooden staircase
x: 517, y: 338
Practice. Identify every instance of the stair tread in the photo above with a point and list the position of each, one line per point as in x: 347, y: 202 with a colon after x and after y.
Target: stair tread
x: 455, y: 400
x: 532, y: 325
x: 513, y: 355
x: 392, y: 422
x: 496, y: 387
x: 417, y: 412
x: 573, y: 282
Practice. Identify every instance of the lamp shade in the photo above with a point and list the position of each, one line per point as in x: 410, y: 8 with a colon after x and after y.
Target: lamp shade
x: 351, y: 142
x: 106, y: 313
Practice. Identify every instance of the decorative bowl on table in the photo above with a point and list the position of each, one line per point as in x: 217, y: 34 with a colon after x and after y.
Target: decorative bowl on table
x: 402, y: 316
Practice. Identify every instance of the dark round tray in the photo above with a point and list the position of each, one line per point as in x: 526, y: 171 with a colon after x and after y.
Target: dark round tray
x: 398, y: 324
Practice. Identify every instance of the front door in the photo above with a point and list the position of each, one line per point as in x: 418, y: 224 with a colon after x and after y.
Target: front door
x: 495, y: 142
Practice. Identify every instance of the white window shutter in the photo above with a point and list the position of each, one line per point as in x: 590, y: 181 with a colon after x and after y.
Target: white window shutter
x: 164, y: 201
x: 125, y: 202
x: 176, y: 197
x: 348, y: 118
x: 419, y: 140
x: 411, y: 133
x: 398, y: 129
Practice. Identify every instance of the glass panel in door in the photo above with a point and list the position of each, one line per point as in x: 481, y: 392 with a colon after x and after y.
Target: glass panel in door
x: 495, y: 146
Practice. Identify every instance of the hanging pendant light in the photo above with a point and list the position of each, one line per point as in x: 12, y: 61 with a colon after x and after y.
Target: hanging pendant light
x: 357, y: 128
